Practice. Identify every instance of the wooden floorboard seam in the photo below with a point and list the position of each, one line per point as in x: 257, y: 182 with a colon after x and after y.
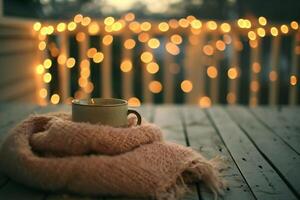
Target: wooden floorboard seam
x: 270, y: 129
x: 221, y: 137
x: 265, y: 156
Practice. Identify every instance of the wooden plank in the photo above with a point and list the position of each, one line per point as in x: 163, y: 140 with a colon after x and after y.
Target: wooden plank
x: 69, y: 197
x: 203, y: 137
x: 283, y: 158
x: 265, y: 183
x: 168, y: 118
x: 279, y: 126
x: 291, y: 116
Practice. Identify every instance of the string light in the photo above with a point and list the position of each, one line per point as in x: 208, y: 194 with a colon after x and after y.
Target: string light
x: 43, y: 93
x: 108, y: 21
x: 252, y: 35
x: 91, y: 52
x: 129, y: 44
x: 86, y: 21
x: 163, y: 26
x: 173, y: 23
x: 42, y: 45
x: 80, y: 37
x: 93, y: 28
x: 172, y: 48
x: 294, y: 25
x: 152, y: 67
x: 183, y: 23
x: 176, y: 39
x: 211, y: 25
x: 55, y: 99
x: 186, y: 86
x: 153, y: 43
x: 231, y: 98
x: 47, y: 77
x: 261, y: 32
x: 208, y: 50
x: 145, y: 26
x: 37, y: 26
x: 196, y: 24
x: 61, y: 59
x: 70, y: 62
x: 107, y: 40
x: 155, y: 87
x: 72, y: 26
x: 273, y: 76
x: 146, y: 57
x: 225, y: 27
x: 129, y: 17
x: 98, y: 57
x: 220, y: 45
x: 232, y: 73
x: 254, y: 86
x: 134, y: 102
x: 262, y: 21
x: 135, y: 27
x: 40, y: 69
x: 61, y: 27
x: 212, y: 72
x: 274, y: 31
x: 117, y: 26
x: 284, y: 29
x: 78, y: 18
x: 126, y: 66
x: 256, y: 68
x: 143, y: 37
x: 293, y: 80
x: 204, y: 102
x: 47, y: 63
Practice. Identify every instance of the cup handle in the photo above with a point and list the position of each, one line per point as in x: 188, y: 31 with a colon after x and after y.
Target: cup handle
x: 139, y: 118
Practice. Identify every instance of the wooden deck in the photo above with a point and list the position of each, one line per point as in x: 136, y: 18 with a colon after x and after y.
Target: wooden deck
x: 261, y: 146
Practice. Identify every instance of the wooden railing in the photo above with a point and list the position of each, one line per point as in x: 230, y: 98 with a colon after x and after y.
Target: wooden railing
x: 205, y: 62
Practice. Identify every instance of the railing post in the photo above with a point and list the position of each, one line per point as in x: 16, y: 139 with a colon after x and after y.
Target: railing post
x: 106, y: 71
x: 294, y: 75
x: 254, y: 70
x: 273, y: 74
x: 63, y: 71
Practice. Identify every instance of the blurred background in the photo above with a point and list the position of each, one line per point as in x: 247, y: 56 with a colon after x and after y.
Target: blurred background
x: 201, y: 52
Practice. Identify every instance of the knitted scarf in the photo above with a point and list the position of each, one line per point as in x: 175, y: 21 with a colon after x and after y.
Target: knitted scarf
x: 52, y: 153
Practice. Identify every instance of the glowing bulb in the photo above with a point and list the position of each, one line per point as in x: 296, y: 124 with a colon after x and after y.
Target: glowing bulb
x: 129, y: 44
x: 91, y: 52
x: 107, y: 40
x: 261, y: 32
x: 37, y: 26
x: 72, y: 26
x: 43, y: 93
x: 153, y: 43
x: 109, y: 21
x: 146, y: 57
x: 155, y: 87
x: 93, y: 28
x: 55, y: 99
x: 262, y: 21
x: 98, y: 57
x: 252, y: 35
x: 212, y: 72
x: 204, y: 102
x: 186, y: 86
x: 211, y: 25
x: 145, y: 26
x: 70, y: 62
x: 273, y: 76
x: 42, y: 45
x: 143, y: 37
x: 152, y: 67
x: 256, y: 68
x: 47, y: 63
x: 232, y: 73
x: 294, y: 25
x: 172, y: 48
x: 126, y: 66
x: 231, y: 98
x: 176, y: 39
x: 47, y: 77
x: 61, y: 27
x: 61, y: 59
x: 163, y: 26
x: 225, y: 27
x: 284, y: 29
x: 274, y: 31
x: 183, y: 23
x: 117, y: 26
x: 196, y: 24
x: 208, y: 50
x: 80, y: 37
x: 78, y: 18
x: 134, y: 102
x: 173, y: 23
x: 220, y: 45
x: 293, y: 80
x: 135, y: 27
x: 254, y: 86
x: 129, y: 17
x: 40, y: 69
x: 86, y: 21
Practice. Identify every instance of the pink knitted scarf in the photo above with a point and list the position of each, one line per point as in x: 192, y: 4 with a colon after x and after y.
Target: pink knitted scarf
x: 53, y: 153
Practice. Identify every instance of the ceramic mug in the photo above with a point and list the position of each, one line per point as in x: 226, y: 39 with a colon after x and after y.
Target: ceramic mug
x: 106, y: 111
